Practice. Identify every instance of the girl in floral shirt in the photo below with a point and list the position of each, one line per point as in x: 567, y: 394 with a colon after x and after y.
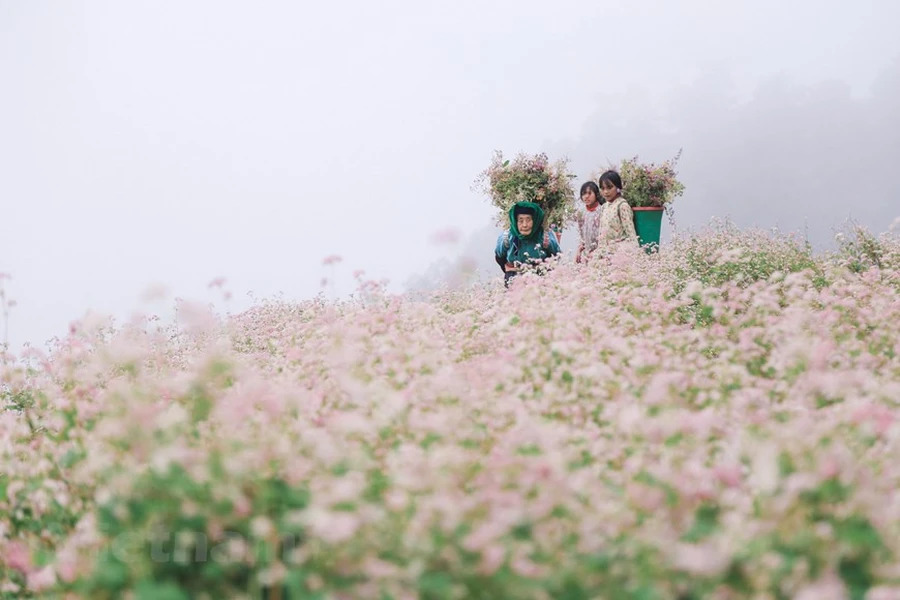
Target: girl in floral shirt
x: 617, y: 220
x: 589, y: 220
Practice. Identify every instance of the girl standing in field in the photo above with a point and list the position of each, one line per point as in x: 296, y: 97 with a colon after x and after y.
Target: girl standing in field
x: 589, y: 220
x: 617, y: 220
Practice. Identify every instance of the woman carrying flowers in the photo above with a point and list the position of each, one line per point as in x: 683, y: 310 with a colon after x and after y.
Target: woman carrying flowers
x: 526, y: 242
x: 617, y: 220
x: 588, y: 220
x: 530, y: 178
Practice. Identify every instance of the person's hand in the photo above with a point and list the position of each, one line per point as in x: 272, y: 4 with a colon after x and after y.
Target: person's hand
x: 578, y: 253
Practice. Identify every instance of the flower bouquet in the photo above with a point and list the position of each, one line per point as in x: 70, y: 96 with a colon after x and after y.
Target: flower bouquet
x: 531, y: 178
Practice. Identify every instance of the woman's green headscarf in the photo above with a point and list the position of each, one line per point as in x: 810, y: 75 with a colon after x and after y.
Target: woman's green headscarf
x: 537, y: 231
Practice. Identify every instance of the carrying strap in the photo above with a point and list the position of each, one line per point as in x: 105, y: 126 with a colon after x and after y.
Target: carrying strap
x: 619, y: 212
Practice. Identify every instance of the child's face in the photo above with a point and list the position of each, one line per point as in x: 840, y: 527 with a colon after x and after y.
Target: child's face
x: 525, y: 223
x: 608, y: 191
x: 589, y: 197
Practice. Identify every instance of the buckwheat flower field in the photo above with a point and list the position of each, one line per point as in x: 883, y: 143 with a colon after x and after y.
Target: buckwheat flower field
x: 719, y: 420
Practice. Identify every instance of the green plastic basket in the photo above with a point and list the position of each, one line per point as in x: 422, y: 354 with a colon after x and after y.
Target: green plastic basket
x: 647, y: 224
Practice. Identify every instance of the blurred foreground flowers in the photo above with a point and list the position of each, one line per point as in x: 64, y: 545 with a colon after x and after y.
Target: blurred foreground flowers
x: 716, y: 421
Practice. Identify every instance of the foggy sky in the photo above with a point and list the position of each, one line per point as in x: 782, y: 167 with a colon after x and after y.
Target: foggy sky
x: 169, y: 142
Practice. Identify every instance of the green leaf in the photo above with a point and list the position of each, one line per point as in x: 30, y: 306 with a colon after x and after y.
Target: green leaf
x: 522, y: 531
x: 859, y: 533
x: 706, y: 520
x: 110, y: 572
x: 430, y: 439
x: 857, y: 576
x: 529, y: 450
x: 674, y: 440
x: 148, y: 589
x: 433, y: 585
x: 70, y: 458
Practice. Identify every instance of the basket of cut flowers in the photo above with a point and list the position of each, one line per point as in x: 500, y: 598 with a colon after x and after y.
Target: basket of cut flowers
x: 650, y: 189
x: 530, y: 178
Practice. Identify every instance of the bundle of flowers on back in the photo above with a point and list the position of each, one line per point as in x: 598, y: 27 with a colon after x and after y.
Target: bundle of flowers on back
x: 531, y: 178
x: 650, y: 184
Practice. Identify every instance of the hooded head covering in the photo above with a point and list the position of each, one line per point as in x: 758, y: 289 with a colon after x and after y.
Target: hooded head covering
x: 536, y: 212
